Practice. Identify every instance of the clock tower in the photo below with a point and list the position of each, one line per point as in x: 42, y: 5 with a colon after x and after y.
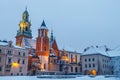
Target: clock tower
x: 42, y: 46
x: 24, y: 29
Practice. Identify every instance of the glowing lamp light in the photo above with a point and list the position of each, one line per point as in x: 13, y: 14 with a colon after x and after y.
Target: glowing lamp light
x: 15, y: 64
x: 74, y: 60
x: 94, y: 72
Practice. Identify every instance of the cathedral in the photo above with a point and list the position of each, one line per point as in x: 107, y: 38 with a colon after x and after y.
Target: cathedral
x: 44, y: 53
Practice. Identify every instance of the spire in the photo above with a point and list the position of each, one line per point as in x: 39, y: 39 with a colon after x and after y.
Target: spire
x: 51, y: 38
x: 25, y: 15
x: 26, y: 8
x: 43, y: 24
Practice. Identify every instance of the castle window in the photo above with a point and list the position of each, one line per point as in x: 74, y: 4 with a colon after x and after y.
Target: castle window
x: 71, y: 58
x: 85, y: 65
x: 23, y: 54
x: 9, y: 53
x: 76, y: 69
x: 11, y: 74
x: 0, y: 68
x: 21, y: 74
x: 20, y: 70
x: 76, y: 58
x: 89, y: 59
x: 89, y: 65
x: 85, y: 60
x: 17, y: 74
x: 93, y: 65
x: 0, y: 59
x: 9, y: 60
x: 19, y: 53
x: 71, y: 69
x: 18, y: 60
x: 23, y: 62
x: 0, y: 50
x: 93, y: 59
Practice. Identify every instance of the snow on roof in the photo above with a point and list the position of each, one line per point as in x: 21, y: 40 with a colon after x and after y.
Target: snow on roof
x: 96, y: 50
x: 18, y: 47
x: 114, y: 53
x: 29, y: 43
x: 68, y: 48
x: 3, y: 43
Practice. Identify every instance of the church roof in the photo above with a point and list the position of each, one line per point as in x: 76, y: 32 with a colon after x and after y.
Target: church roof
x: 43, y: 25
x: 26, y: 12
x: 6, y: 43
x: 103, y: 50
x: 68, y: 48
x: 29, y: 43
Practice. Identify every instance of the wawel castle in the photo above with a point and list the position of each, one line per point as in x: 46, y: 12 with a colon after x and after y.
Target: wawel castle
x: 43, y: 56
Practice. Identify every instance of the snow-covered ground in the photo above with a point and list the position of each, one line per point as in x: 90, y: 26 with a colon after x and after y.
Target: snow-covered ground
x: 35, y: 78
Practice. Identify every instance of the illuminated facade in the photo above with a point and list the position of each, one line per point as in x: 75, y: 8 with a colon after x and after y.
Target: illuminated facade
x: 42, y: 46
x: 95, y: 59
x: 13, y: 59
x: 44, y: 54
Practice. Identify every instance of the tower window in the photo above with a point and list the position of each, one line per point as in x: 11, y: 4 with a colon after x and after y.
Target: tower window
x: 26, y: 29
x: 45, y: 48
x: 20, y: 29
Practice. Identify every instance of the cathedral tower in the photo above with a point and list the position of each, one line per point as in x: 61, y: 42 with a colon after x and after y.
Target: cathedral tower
x: 24, y: 29
x: 42, y: 46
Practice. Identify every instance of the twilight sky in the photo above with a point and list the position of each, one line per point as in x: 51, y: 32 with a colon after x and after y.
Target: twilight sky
x: 76, y: 23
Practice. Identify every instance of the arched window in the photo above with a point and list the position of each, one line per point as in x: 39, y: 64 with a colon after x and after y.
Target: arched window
x: 26, y: 29
x: 20, y: 28
x: 76, y: 69
x: 71, y: 69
